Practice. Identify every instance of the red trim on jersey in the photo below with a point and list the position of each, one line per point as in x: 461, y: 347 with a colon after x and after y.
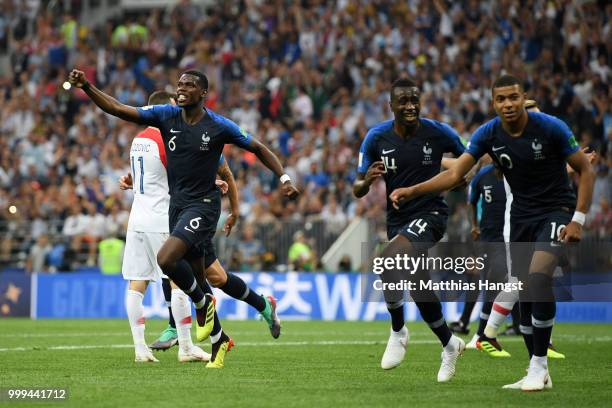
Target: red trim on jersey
x: 186, y: 320
x: 140, y: 321
x: 501, y: 310
x: 155, y: 135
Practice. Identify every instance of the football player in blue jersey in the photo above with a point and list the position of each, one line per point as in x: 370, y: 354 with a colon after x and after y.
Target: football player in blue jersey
x: 487, y: 187
x: 194, y: 137
x: 531, y: 149
x: 406, y: 151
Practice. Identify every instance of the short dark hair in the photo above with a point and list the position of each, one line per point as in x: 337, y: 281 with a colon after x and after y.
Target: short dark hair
x: 202, y: 79
x: 160, y: 98
x: 507, y: 80
x: 403, y: 83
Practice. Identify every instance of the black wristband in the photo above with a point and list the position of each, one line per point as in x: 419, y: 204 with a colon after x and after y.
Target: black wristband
x: 85, y: 85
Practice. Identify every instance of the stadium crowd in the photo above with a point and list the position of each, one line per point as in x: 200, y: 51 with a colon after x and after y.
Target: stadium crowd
x: 309, y: 78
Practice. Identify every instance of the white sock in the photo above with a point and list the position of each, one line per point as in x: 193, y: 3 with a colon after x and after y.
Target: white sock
x: 540, y: 362
x: 181, y: 310
x: 400, y: 333
x: 135, y: 312
x: 499, y: 313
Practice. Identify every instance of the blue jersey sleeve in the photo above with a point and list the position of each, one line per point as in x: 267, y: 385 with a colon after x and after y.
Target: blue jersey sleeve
x: 367, y: 152
x: 456, y: 144
x: 233, y: 134
x: 561, y: 134
x: 154, y: 115
x: 477, y: 146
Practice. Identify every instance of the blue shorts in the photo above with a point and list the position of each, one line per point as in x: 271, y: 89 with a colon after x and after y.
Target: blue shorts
x: 196, y: 225
x: 423, y: 230
x: 541, y: 235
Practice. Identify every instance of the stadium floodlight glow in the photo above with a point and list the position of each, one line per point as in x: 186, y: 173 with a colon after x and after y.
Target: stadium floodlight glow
x: 12, y: 209
x: 66, y: 85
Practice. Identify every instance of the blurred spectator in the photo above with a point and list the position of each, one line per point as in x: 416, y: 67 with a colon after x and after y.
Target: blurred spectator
x: 602, y: 221
x: 309, y: 78
x: 249, y: 250
x: 300, y: 253
x: 345, y: 264
x: 37, y: 258
x: 334, y: 217
x: 110, y: 255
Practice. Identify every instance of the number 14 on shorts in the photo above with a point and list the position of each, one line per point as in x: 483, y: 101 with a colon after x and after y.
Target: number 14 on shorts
x: 417, y: 223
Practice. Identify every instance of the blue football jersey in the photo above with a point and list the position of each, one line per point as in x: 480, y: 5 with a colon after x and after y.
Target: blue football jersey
x: 193, y: 151
x: 486, y: 187
x: 410, y: 161
x: 534, y: 164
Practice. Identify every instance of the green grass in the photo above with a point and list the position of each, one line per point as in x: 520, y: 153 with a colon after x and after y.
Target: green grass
x: 313, y: 364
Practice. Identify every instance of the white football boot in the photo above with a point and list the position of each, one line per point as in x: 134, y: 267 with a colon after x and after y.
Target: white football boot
x: 144, y: 355
x: 450, y: 354
x: 193, y: 353
x: 537, y: 377
x: 472, y: 344
x: 519, y: 384
x: 396, y: 349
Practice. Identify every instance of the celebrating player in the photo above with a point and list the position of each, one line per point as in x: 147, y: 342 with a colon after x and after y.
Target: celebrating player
x: 147, y: 231
x: 168, y: 337
x: 531, y: 149
x: 194, y: 137
x: 405, y: 151
x: 489, y: 184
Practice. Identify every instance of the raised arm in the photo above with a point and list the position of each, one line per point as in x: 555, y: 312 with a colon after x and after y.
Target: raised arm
x: 446, y: 180
x: 272, y: 162
x: 105, y: 102
x: 580, y: 163
x: 226, y: 175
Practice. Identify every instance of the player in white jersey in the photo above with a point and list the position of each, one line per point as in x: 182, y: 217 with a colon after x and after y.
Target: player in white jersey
x: 148, y: 229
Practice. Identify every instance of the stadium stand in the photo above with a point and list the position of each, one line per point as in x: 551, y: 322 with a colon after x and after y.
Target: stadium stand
x: 308, y: 77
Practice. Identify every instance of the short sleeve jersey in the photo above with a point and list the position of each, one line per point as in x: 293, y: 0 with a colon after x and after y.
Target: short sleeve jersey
x: 148, y: 162
x: 534, y: 164
x: 193, y: 151
x: 487, y: 188
x: 410, y: 161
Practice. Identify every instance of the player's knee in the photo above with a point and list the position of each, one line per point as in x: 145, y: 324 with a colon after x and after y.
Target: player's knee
x: 165, y: 262
x: 540, y: 287
x: 216, y: 279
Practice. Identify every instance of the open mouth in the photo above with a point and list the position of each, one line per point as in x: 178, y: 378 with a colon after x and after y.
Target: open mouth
x: 409, y: 116
x: 181, y: 98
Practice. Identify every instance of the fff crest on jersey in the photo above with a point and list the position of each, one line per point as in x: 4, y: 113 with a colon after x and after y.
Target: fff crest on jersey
x: 427, y: 150
x: 205, y: 140
x: 537, y: 150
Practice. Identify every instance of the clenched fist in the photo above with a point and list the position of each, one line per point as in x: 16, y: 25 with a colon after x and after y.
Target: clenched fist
x: 77, y: 78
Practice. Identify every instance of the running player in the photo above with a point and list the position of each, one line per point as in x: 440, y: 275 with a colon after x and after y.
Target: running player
x: 505, y: 302
x: 405, y: 151
x: 212, y: 328
x: 147, y: 231
x: 194, y: 137
x: 169, y: 337
x: 488, y: 184
x: 531, y: 149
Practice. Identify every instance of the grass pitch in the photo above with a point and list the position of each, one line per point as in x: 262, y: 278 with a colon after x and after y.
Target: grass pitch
x: 318, y: 364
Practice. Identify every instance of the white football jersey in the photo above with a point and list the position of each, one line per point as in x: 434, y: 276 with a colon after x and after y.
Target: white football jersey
x: 150, y: 183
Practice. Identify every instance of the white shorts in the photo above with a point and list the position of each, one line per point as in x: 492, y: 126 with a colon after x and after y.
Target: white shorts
x: 140, y: 255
